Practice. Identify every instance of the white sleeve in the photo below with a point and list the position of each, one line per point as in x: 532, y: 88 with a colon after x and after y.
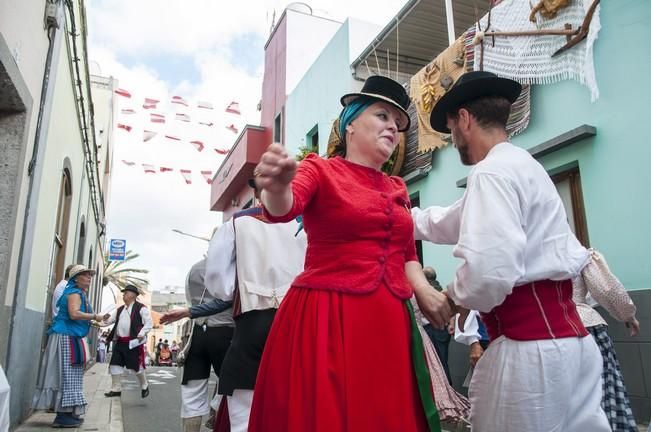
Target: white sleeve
x: 56, y: 295
x: 470, y: 333
x: 112, y: 318
x: 220, y: 263
x: 491, y: 244
x: 146, y: 321
x: 438, y: 225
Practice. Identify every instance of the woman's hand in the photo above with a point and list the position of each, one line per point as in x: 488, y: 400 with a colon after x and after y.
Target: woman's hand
x: 634, y: 326
x: 275, y: 170
x: 434, y: 305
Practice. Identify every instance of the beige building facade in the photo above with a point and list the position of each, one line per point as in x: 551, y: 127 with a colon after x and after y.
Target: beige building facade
x: 56, y: 149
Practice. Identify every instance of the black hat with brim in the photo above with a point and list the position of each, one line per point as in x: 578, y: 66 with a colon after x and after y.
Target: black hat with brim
x: 132, y: 288
x: 386, y: 90
x: 471, y: 86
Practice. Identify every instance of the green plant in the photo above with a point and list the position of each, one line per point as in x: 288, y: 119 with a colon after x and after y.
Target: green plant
x: 117, y: 274
x: 303, y: 151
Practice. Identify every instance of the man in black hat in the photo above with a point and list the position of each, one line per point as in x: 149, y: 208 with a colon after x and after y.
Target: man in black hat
x: 132, y: 323
x: 541, y: 371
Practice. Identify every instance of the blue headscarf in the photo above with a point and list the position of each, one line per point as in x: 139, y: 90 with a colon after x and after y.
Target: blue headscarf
x: 352, y: 111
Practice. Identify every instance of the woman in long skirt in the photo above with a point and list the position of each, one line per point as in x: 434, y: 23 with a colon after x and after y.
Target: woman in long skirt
x: 60, y: 381
x: 343, y: 354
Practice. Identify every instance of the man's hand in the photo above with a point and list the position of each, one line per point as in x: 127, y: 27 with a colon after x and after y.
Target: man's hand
x: 476, y: 351
x: 175, y: 315
x: 434, y: 305
x: 463, y: 315
x: 451, y: 325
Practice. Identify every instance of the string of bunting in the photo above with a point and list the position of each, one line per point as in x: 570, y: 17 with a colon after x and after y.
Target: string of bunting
x: 185, y: 173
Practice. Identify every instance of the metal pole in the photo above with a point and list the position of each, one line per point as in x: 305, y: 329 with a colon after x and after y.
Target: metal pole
x: 449, y: 14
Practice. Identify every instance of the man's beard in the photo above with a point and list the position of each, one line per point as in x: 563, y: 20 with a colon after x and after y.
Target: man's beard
x: 462, y: 148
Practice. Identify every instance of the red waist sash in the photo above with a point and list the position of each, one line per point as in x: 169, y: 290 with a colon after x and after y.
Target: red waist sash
x: 535, y: 311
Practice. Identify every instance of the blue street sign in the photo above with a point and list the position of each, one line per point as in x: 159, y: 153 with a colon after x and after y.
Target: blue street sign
x: 117, y: 249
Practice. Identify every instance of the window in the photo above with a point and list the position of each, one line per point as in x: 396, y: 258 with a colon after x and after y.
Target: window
x: 61, y: 228
x: 568, y: 184
x: 312, y: 139
x: 57, y: 268
x: 278, y: 124
x: 82, y: 243
x: 415, y: 202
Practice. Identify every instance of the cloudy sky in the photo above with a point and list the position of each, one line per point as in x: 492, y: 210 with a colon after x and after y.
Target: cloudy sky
x: 202, y: 50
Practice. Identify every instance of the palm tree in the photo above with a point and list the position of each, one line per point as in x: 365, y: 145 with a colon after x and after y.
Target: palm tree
x: 116, y: 274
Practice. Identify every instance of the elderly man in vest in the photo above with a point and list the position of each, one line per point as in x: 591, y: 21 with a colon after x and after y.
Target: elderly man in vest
x: 132, y: 323
x: 252, y: 263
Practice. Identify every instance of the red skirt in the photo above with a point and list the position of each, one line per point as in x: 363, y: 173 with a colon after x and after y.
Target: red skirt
x: 338, y: 362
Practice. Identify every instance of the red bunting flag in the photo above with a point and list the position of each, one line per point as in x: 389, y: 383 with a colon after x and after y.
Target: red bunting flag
x: 209, y: 124
x: 147, y: 135
x: 187, y: 175
x: 123, y: 92
x: 157, y: 118
x: 207, y: 175
x: 221, y: 151
x: 233, y: 108
x: 149, y: 168
x: 182, y: 117
x: 172, y: 137
x: 166, y: 169
x: 128, y: 163
x: 150, y: 103
x: 232, y: 128
x: 125, y: 127
x: 128, y: 111
x: 204, y: 105
x: 197, y: 144
x: 179, y: 100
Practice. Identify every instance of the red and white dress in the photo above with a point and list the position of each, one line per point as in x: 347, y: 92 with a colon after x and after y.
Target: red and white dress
x: 338, y: 354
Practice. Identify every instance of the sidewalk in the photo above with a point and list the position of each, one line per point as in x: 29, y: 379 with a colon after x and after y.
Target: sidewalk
x: 103, y: 414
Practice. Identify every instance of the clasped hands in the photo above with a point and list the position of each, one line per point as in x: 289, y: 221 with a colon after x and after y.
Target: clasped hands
x: 438, y: 308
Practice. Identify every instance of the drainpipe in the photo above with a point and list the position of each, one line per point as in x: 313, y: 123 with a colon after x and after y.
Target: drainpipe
x: 51, y: 29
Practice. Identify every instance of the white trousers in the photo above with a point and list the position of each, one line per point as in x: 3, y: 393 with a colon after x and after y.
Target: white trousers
x: 538, y: 386
x: 195, y: 400
x: 117, y: 371
x: 239, y: 408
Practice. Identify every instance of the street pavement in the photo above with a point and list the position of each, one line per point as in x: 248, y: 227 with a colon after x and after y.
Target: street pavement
x: 161, y: 411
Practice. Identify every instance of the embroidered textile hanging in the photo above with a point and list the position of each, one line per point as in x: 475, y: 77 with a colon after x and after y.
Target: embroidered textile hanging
x: 527, y: 59
x: 427, y: 87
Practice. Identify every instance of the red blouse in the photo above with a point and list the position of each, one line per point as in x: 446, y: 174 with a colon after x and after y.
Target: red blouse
x: 358, y: 225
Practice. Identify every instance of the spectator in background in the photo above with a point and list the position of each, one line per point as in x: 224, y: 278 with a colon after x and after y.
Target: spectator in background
x: 439, y: 337
x: 58, y: 290
x: 159, y: 346
x: 101, y: 349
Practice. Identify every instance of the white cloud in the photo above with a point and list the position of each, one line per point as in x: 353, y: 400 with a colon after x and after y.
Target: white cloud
x: 144, y: 208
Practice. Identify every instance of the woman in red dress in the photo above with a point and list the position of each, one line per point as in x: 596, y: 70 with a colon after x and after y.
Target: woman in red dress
x: 338, y: 357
